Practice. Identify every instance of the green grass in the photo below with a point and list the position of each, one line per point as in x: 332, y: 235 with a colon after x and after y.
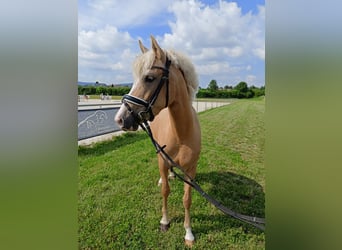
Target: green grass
x: 120, y: 202
x: 114, y: 97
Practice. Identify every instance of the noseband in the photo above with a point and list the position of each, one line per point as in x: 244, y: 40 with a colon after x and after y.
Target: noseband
x: 147, y: 114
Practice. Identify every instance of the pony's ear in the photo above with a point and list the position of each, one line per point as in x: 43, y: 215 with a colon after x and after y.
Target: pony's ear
x: 142, y: 47
x: 159, y: 53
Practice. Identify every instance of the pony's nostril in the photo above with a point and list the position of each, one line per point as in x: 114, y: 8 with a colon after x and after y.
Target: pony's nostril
x: 119, y: 121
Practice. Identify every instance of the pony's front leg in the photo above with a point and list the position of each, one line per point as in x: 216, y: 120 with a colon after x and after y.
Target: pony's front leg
x: 189, y: 237
x: 165, y: 191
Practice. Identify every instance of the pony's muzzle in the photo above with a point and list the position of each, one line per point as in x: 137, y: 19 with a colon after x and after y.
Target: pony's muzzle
x: 127, y: 124
x: 126, y: 120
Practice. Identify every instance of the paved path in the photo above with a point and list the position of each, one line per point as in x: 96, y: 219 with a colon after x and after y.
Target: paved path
x: 199, y: 106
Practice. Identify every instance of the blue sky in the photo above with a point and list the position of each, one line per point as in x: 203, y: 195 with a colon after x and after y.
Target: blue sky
x: 225, y: 40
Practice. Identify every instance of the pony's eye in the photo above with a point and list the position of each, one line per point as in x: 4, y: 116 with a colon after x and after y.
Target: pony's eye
x: 149, y: 79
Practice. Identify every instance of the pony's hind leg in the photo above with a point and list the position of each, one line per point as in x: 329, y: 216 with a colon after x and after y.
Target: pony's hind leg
x: 189, y: 237
x: 171, y: 177
x: 165, y: 191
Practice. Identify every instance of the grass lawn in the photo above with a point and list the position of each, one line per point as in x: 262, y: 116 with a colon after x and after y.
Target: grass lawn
x: 120, y: 202
x: 114, y: 97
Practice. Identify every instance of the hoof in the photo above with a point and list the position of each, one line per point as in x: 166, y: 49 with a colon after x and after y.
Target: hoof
x: 164, y: 227
x: 189, y: 243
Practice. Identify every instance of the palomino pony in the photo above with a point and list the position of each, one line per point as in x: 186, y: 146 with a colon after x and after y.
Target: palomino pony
x: 164, y: 86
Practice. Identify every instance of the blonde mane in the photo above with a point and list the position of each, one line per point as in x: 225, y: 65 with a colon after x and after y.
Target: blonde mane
x: 144, y: 62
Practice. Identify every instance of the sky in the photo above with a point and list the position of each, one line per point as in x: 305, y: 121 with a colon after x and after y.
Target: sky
x: 224, y: 39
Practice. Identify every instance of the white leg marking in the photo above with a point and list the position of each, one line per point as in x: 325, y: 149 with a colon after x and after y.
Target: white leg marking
x: 160, y: 181
x: 164, y: 220
x: 188, y: 235
x: 171, y: 175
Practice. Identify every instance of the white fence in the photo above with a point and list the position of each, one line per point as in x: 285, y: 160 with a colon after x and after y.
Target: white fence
x: 96, y: 117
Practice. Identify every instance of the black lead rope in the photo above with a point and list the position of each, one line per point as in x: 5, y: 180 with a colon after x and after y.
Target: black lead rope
x: 254, y: 221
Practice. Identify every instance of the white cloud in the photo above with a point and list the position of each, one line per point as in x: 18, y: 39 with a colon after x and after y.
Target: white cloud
x: 102, y: 5
x: 259, y: 52
x: 250, y: 79
x: 236, y: 51
x: 215, y: 26
x: 103, y: 40
x: 211, y: 69
x: 106, y: 50
x: 120, y: 13
x: 217, y: 35
x: 223, y: 43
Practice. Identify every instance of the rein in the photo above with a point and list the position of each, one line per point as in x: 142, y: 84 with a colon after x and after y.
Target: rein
x: 254, y: 221
x: 147, y: 114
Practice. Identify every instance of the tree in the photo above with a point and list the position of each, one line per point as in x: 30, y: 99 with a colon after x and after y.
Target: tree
x: 101, y: 90
x: 242, y: 87
x: 212, y: 85
x: 257, y: 91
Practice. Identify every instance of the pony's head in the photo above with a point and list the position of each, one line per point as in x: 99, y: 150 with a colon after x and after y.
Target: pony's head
x: 150, y: 90
x: 155, y: 74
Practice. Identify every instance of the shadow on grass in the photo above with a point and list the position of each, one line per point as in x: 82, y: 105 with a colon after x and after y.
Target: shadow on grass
x: 236, y: 192
x: 107, y: 146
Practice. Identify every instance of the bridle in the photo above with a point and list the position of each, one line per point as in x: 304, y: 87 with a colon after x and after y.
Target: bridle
x: 147, y: 114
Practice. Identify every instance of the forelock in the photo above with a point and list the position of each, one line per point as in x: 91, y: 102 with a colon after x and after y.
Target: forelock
x: 142, y: 63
